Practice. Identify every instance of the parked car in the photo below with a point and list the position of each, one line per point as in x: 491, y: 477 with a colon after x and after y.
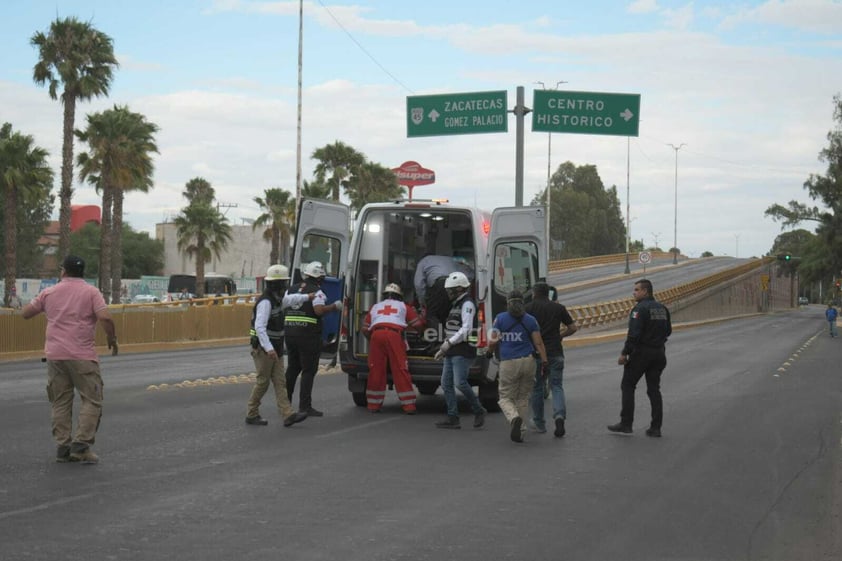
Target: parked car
x: 803, y: 300
x: 144, y: 299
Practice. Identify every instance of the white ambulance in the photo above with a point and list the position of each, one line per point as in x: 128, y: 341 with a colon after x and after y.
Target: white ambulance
x: 506, y: 249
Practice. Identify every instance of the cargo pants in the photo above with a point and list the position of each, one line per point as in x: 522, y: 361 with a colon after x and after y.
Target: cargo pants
x: 63, y: 376
x: 269, y: 370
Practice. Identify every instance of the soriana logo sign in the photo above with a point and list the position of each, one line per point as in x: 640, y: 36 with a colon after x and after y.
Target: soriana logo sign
x: 411, y: 174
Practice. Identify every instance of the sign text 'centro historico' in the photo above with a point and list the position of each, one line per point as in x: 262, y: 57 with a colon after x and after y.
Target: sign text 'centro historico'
x: 457, y: 113
x: 586, y: 112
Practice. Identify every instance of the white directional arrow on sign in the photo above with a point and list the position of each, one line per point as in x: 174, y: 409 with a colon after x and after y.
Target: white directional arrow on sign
x: 627, y: 115
x: 433, y: 115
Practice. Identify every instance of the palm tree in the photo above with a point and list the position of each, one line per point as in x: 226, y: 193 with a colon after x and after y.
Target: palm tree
x: 275, y: 218
x: 202, y: 231
x: 23, y: 170
x: 121, y: 144
x: 372, y: 183
x: 80, y: 57
x: 199, y: 190
x: 338, y: 159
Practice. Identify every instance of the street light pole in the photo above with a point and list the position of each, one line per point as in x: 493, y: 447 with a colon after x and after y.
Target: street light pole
x: 737, y: 249
x: 549, y: 175
x: 628, y: 213
x: 675, y: 225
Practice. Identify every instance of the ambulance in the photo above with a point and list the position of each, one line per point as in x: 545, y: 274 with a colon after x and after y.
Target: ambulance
x: 505, y: 249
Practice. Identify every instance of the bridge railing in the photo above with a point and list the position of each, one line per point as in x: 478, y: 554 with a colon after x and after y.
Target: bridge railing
x: 604, y: 313
x: 227, y: 317
x: 578, y: 262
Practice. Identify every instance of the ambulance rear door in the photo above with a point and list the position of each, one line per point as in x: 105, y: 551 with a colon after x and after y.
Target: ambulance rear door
x: 323, y: 234
x: 517, y: 252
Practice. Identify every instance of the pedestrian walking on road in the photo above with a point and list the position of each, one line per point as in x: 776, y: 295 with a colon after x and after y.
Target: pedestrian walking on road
x: 519, y: 337
x: 458, y: 351
x: 644, y: 354
x: 267, y: 346
x: 73, y: 307
x: 831, y: 314
x: 556, y: 324
x: 303, y: 327
x: 384, y: 325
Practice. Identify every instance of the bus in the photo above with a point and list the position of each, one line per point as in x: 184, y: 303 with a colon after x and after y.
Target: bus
x: 215, y: 283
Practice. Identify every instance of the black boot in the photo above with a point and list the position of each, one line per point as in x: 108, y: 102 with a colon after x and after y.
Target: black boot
x: 452, y: 422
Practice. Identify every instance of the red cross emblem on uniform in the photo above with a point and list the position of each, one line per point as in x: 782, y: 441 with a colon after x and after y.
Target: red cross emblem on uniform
x: 387, y: 310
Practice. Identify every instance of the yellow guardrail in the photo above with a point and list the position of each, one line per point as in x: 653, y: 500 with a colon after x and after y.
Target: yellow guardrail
x: 225, y: 317
x: 593, y: 315
x: 228, y: 317
x: 577, y: 262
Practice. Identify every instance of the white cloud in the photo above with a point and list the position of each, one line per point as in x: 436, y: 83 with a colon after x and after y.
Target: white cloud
x: 813, y: 16
x: 643, y: 7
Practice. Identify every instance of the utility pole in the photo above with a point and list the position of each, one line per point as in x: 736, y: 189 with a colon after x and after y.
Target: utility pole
x: 628, y: 211
x: 675, y: 237
x: 298, y: 128
x: 520, y: 112
x: 549, y: 176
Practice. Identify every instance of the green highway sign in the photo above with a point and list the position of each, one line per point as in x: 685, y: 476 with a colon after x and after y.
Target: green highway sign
x: 458, y: 113
x: 585, y: 112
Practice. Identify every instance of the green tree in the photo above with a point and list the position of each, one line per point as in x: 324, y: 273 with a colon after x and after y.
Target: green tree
x: 275, y: 218
x: 372, y: 183
x: 340, y: 161
x: 142, y: 255
x: 707, y: 254
x: 81, y: 58
x: 821, y: 257
x: 202, y: 231
x: 119, y: 159
x: 23, y: 174
x: 585, y: 216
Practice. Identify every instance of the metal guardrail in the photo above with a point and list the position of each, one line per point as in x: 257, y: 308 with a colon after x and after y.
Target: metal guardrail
x: 228, y: 317
x: 604, y: 313
x: 579, y: 262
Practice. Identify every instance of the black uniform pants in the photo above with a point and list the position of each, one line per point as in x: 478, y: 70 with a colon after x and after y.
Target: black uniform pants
x: 437, y: 301
x: 649, y: 362
x: 303, y: 353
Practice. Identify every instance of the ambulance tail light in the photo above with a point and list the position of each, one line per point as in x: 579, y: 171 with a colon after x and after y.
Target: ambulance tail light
x: 482, y: 339
x: 343, y: 325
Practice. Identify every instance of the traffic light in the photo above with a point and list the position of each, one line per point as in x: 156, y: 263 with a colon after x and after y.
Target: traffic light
x: 785, y: 257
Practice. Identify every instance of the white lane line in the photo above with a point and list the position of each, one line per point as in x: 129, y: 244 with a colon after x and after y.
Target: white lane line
x: 43, y: 506
x: 358, y: 427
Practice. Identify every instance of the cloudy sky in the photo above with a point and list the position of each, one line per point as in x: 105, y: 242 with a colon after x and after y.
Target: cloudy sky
x: 747, y: 86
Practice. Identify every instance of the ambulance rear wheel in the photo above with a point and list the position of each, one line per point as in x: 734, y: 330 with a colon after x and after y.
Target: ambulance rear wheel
x: 359, y: 399
x: 427, y: 389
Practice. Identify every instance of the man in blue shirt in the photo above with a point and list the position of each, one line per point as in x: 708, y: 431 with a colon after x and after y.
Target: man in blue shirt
x: 831, y: 315
x: 519, y: 336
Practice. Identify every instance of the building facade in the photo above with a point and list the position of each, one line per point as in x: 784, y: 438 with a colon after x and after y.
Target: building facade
x: 247, y: 254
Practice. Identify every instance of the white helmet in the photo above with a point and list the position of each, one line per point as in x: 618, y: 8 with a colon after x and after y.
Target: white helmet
x: 393, y: 288
x: 313, y: 269
x: 276, y: 273
x: 457, y: 279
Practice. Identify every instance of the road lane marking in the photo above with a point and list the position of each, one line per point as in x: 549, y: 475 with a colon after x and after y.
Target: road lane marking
x: 358, y: 427
x: 44, y: 506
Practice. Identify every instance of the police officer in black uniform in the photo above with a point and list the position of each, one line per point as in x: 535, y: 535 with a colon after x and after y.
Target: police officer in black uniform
x: 303, y: 327
x: 644, y: 355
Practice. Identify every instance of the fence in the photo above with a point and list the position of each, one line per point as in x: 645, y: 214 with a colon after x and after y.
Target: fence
x: 229, y: 318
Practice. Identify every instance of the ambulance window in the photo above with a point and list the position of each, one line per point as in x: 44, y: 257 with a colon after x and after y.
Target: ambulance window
x: 515, y: 267
x: 318, y: 247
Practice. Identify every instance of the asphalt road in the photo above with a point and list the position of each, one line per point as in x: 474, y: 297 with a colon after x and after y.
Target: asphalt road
x: 750, y: 465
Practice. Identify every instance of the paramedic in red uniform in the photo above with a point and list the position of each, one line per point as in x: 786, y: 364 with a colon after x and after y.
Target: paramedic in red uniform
x: 384, y: 325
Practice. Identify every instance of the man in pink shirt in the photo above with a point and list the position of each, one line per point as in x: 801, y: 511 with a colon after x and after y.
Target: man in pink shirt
x: 73, y: 308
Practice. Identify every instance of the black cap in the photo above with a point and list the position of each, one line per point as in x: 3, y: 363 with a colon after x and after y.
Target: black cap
x: 74, y: 266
